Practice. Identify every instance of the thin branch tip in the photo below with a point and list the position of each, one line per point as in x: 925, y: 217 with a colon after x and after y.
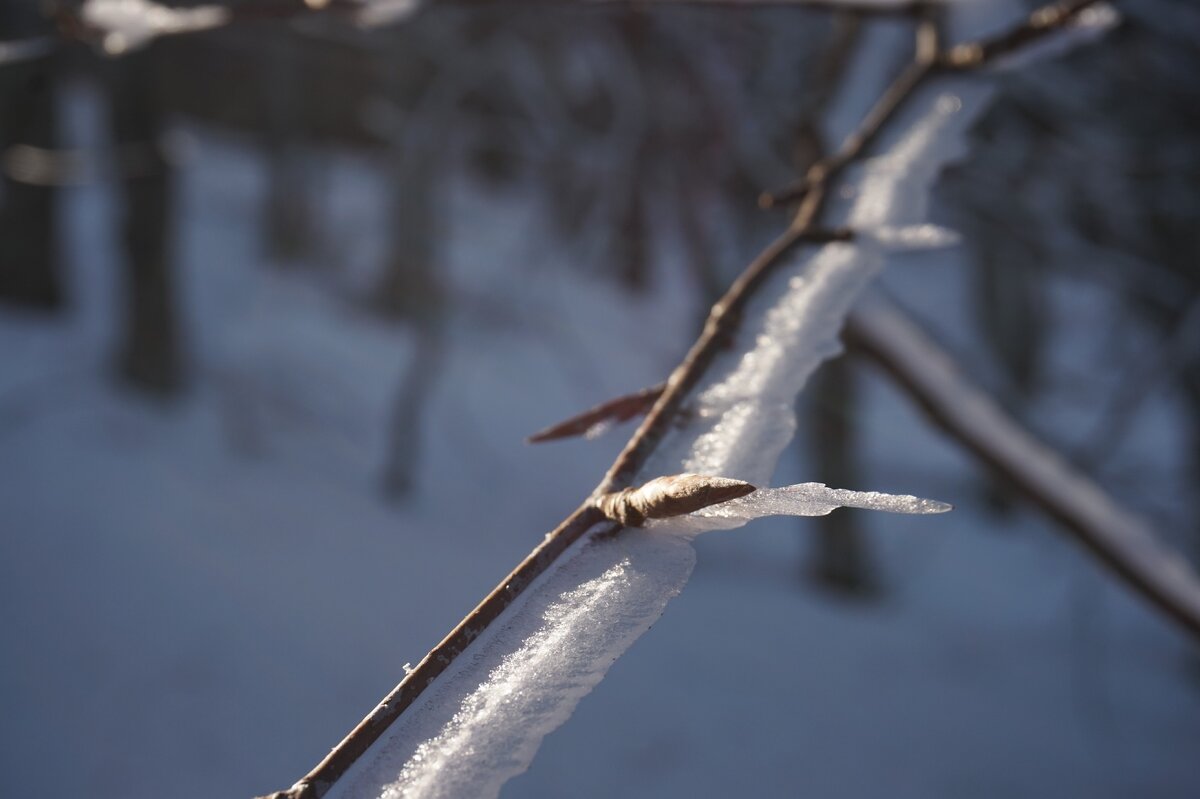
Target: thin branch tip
x: 616, y: 410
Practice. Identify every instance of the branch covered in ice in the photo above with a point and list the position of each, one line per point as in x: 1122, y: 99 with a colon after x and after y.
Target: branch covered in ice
x: 549, y: 631
x: 483, y: 717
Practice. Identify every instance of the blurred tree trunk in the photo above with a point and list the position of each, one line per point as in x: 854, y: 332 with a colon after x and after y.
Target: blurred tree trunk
x: 404, y: 436
x: 290, y: 221
x: 148, y: 357
x: 410, y: 290
x: 29, y: 223
x: 1010, y: 312
x: 840, y: 560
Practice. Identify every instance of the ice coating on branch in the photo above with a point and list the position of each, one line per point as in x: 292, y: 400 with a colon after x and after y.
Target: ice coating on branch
x: 913, y: 237
x: 802, y: 499
x: 743, y: 416
x: 817, y: 499
x: 481, y: 722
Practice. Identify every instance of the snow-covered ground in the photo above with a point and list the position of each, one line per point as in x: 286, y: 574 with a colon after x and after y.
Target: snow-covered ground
x: 201, y: 598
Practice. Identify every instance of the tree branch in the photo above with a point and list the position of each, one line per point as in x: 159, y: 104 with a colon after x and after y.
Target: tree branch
x: 619, y: 409
x: 1043, y: 21
x: 929, y: 375
x: 720, y: 327
x: 928, y: 60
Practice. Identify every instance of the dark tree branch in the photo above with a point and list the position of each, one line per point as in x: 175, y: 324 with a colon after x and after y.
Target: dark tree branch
x: 1043, y: 21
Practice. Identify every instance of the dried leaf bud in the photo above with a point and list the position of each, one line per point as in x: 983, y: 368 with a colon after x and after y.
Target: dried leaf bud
x: 666, y: 497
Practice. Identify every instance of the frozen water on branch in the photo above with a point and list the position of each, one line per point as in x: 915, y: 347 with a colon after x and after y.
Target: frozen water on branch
x: 804, y: 499
x: 554, y: 650
x: 743, y: 417
x: 481, y: 722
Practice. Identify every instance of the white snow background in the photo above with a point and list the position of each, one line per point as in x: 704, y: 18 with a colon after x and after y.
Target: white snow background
x: 192, y: 617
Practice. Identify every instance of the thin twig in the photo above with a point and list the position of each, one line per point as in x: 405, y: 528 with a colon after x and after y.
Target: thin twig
x: 627, y: 406
x: 969, y: 415
x: 617, y: 410
x: 820, y: 172
x: 1045, y: 20
x: 722, y: 324
x: 929, y: 59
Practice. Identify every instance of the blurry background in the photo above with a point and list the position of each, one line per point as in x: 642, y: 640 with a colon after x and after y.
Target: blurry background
x: 279, y: 302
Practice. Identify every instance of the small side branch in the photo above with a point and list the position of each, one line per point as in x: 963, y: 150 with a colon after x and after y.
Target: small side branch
x: 1123, y: 543
x: 617, y: 410
x: 1042, y: 22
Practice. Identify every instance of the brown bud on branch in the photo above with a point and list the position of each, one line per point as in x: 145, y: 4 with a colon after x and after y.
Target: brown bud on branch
x: 666, y: 497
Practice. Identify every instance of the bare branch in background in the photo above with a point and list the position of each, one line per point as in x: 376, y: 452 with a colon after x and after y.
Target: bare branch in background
x: 930, y: 58
x: 969, y: 415
x: 1044, y: 20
